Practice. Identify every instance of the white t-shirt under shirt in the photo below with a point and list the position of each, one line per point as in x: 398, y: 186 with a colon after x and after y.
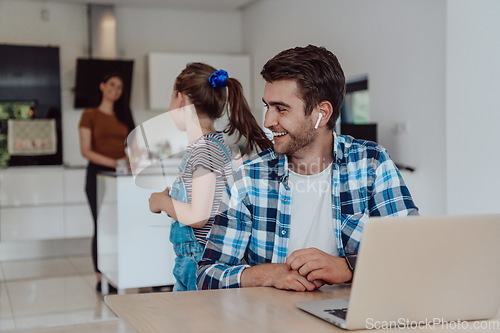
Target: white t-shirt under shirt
x: 311, y: 222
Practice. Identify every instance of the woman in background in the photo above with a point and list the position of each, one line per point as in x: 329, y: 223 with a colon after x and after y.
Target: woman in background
x: 103, y: 131
x: 201, y: 95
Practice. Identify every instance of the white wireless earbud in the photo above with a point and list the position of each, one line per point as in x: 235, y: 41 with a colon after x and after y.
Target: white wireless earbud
x: 319, y: 119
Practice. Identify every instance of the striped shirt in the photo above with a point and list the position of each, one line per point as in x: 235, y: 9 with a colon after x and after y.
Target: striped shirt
x: 254, y: 229
x: 207, y: 154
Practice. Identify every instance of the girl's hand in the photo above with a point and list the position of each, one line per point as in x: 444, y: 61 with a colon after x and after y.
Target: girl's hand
x: 158, y: 200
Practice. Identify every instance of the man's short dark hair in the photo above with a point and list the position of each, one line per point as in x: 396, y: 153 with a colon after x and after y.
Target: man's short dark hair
x: 317, y: 72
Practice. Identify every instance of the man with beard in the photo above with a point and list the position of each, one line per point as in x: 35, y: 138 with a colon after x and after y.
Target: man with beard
x: 295, y: 214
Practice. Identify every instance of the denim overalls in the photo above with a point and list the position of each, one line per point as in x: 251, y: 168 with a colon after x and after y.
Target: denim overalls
x: 187, y: 248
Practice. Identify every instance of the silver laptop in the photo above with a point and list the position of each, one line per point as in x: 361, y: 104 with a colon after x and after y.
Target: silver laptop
x: 420, y: 271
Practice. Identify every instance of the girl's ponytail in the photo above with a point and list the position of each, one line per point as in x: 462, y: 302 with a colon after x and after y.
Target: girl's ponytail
x: 242, y: 120
x: 212, y: 92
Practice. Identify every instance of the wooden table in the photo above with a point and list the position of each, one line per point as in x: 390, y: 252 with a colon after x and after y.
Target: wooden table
x: 235, y: 310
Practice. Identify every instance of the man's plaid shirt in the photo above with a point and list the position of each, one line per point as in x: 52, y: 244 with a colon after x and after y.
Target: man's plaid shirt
x: 254, y: 228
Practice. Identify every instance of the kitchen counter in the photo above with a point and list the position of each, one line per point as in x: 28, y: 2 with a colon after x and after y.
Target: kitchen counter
x: 134, y: 250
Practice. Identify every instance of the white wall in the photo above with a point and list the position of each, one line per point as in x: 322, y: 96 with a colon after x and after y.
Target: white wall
x: 401, y: 45
x: 139, y: 30
x: 473, y: 106
x: 145, y: 30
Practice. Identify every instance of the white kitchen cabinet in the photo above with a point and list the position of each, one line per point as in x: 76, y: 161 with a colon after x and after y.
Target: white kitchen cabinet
x: 31, y: 204
x: 133, y: 244
x: 43, y: 203
x: 77, y: 215
x: 78, y: 221
x: 74, y: 186
x: 31, y: 223
x: 31, y: 186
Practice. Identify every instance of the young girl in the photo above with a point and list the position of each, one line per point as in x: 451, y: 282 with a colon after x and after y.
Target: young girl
x: 199, y: 98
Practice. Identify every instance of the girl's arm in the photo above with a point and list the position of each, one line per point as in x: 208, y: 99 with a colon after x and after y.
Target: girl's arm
x: 194, y: 214
x: 88, y: 153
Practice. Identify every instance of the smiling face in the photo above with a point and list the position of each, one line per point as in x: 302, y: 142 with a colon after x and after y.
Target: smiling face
x: 112, y: 89
x: 293, y: 131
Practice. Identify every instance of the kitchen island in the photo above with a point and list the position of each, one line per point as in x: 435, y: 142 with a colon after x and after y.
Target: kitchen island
x: 133, y: 244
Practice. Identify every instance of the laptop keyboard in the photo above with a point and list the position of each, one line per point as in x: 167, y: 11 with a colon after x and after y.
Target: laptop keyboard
x: 341, y: 313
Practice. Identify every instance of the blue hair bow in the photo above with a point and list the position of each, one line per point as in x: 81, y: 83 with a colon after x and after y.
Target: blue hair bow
x: 218, y: 79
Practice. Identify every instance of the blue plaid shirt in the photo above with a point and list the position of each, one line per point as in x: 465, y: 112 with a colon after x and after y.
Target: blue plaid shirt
x: 254, y: 227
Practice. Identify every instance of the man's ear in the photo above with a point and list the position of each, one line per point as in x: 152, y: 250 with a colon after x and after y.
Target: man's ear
x: 326, y: 109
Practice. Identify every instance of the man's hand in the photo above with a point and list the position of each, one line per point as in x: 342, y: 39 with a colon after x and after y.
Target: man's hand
x: 157, y: 201
x: 316, y: 265
x: 279, y: 276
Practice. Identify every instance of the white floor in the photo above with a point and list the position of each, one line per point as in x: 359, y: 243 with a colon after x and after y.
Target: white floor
x: 53, y: 295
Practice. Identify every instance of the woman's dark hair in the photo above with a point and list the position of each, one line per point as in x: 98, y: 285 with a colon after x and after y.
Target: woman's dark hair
x: 193, y: 82
x: 317, y: 72
x: 120, y: 107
